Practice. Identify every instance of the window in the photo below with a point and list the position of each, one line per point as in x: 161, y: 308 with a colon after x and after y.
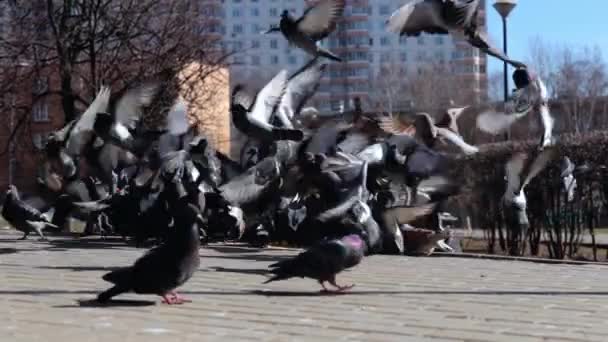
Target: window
x: 40, y: 111
x: 385, y: 57
x: 274, y: 59
x: 255, y: 44
x: 274, y: 12
x: 274, y: 44
x: 255, y: 60
x: 255, y: 12
x: 256, y: 28
x: 403, y: 56
x: 384, y: 10
x: 439, y: 40
x: 384, y: 41
x: 403, y: 40
x: 237, y: 28
x: 292, y: 60
x: 236, y: 13
x: 420, y: 40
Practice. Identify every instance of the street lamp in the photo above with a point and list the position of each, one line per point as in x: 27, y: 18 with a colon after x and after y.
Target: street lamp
x: 504, y: 8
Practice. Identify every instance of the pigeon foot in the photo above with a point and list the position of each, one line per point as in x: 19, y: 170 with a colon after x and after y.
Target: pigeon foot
x: 341, y: 288
x: 173, y: 298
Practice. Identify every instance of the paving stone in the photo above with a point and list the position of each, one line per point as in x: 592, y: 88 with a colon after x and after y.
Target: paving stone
x: 43, y: 286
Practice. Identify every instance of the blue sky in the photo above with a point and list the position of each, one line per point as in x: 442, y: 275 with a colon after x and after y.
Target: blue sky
x: 577, y: 23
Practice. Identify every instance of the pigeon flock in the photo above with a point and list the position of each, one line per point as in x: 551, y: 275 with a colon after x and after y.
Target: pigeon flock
x: 344, y: 189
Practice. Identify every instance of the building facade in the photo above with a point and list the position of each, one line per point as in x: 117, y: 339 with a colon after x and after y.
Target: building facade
x: 360, y: 38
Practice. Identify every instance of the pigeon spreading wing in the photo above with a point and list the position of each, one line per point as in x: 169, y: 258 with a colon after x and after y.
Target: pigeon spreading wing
x: 319, y: 21
x: 418, y: 16
x: 128, y: 108
x: 82, y: 130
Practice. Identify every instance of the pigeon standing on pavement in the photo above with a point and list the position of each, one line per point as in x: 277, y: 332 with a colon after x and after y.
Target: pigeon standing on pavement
x: 22, y: 216
x: 315, y: 24
x: 322, y: 261
x: 164, y: 268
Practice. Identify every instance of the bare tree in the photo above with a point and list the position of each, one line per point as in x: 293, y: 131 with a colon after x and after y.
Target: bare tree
x: 580, y: 82
x: 86, y: 43
x: 388, y: 88
x: 496, y: 87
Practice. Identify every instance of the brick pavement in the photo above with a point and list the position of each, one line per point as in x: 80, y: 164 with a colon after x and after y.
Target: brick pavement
x: 45, y: 288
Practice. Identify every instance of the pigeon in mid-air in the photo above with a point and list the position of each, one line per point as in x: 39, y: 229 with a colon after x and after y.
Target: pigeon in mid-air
x: 253, y: 116
x: 443, y: 17
x: 164, y: 268
x: 322, y: 261
x: 429, y: 132
x: 519, y: 171
x: 315, y: 24
x: 22, y: 216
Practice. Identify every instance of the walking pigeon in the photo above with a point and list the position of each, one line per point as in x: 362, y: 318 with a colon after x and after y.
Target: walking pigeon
x: 322, y: 261
x: 22, y: 216
x: 164, y: 268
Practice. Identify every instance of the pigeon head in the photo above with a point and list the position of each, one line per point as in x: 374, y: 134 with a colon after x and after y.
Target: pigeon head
x: 285, y: 14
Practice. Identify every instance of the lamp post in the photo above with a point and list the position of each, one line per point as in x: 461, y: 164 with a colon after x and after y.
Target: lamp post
x: 504, y: 8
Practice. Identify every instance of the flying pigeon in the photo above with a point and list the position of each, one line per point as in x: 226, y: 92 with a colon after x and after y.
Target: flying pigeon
x: 22, y: 216
x: 528, y: 95
x: 428, y: 132
x: 301, y: 86
x: 164, y: 268
x: 252, y: 117
x: 444, y: 17
x: 519, y: 171
x: 322, y: 261
x: 315, y: 24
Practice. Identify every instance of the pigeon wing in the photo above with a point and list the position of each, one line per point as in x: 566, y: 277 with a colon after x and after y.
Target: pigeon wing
x: 319, y: 21
x: 302, y: 85
x: 417, y: 16
x: 83, y: 128
x: 513, y: 172
x: 426, y: 131
x: 461, y: 12
x: 540, y: 162
x: 128, y: 108
x: 268, y: 99
x: 457, y: 140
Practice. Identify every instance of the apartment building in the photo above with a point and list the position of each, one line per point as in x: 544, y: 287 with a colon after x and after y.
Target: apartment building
x: 360, y: 39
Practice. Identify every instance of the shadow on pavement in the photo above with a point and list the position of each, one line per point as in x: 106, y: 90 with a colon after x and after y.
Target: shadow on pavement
x: 41, y: 292
x: 80, y: 268
x: 253, y: 257
x: 93, y: 303
x: 240, y: 270
x: 233, y: 249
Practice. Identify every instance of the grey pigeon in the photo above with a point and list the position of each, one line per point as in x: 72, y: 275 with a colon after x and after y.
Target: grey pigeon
x: 429, y: 132
x: 315, y: 24
x: 443, y: 17
x: 164, y: 268
x: 253, y: 117
x: 22, y: 216
x: 322, y: 261
x: 301, y: 86
x: 519, y: 171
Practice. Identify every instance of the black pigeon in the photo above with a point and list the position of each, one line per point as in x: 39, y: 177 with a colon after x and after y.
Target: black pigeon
x: 322, y: 262
x: 253, y: 117
x: 443, y: 17
x: 164, y: 268
x: 315, y: 24
x: 22, y: 216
